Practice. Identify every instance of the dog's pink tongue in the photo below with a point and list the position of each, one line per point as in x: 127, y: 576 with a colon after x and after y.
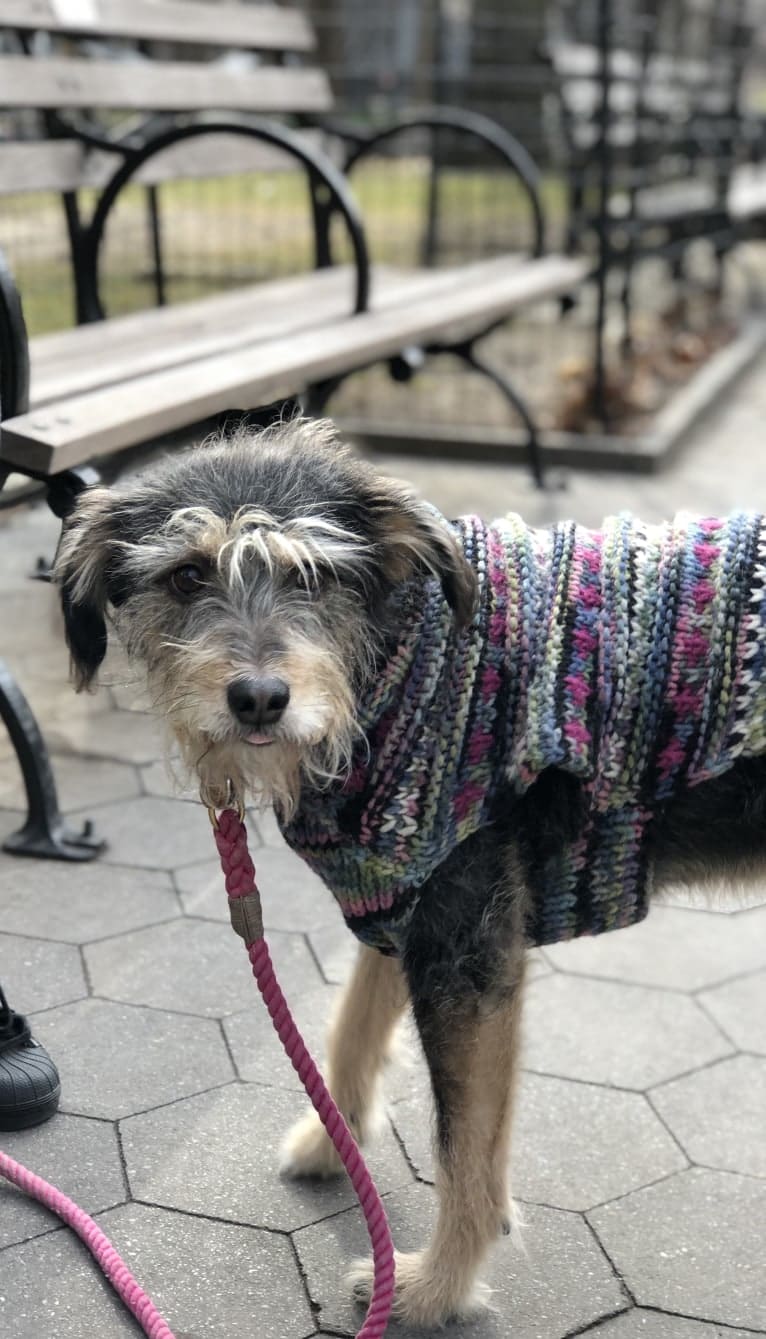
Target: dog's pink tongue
x: 255, y: 738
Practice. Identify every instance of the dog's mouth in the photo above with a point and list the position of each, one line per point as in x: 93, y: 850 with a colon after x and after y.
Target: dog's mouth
x: 258, y: 740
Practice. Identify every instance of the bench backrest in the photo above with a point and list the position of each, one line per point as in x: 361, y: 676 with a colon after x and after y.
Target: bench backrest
x: 77, y: 76
x: 66, y: 82
x: 660, y: 98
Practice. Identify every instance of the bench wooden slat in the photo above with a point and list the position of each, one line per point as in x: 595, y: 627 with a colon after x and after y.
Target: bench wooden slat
x: 747, y: 197
x: 119, y: 416
x: 255, y: 27
x: 139, y: 85
x: 66, y: 165
x: 123, y: 348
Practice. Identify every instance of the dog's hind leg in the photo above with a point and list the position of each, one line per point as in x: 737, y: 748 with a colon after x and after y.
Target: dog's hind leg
x: 471, y: 1047
x: 357, y: 1047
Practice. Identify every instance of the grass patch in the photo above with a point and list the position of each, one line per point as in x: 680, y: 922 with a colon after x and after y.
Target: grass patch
x: 221, y: 232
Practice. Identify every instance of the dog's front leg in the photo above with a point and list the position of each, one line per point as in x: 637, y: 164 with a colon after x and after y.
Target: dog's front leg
x: 357, y: 1048
x: 471, y: 1047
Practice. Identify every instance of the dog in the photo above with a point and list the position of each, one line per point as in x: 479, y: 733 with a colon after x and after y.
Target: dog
x: 481, y: 737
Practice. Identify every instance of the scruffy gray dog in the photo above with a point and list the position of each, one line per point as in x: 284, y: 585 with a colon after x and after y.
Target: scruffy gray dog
x: 444, y: 719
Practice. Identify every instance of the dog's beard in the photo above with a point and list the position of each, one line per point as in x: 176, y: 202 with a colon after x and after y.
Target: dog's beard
x: 311, y: 746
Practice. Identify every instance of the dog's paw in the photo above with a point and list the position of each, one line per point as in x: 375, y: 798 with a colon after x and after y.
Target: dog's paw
x: 424, y: 1296
x: 309, y: 1151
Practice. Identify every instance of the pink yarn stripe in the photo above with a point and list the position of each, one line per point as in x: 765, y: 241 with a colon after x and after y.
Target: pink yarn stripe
x: 97, y: 1243
x: 239, y: 874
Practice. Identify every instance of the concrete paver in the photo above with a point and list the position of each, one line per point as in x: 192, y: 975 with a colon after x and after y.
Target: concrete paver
x: 205, y: 972
x: 78, y: 903
x: 116, y: 1059
x: 693, y: 1244
x: 739, y: 1009
x: 678, y: 950
x: 615, y: 1033
x: 40, y: 975
x: 80, y: 1155
x: 218, y: 1155
x: 717, y: 1114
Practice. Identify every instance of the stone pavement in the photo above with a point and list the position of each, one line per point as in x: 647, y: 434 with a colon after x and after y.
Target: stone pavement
x: 640, y: 1158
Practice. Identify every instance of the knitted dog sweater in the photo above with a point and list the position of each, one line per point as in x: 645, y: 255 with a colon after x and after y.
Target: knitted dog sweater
x: 632, y: 657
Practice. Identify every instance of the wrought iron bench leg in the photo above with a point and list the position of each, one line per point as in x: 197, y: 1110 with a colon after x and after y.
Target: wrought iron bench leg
x: 44, y: 833
x: 479, y: 364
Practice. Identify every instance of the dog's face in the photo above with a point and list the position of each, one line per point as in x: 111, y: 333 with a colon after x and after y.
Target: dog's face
x: 253, y: 580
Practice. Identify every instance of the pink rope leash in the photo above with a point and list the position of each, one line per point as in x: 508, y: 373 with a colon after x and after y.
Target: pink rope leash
x: 99, y: 1245
x: 245, y: 907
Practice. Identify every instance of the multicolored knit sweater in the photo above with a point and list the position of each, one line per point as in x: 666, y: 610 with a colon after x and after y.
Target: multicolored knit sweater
x: 633, y: 657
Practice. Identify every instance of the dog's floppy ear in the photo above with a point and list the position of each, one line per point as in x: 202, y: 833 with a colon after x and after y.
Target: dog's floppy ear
x: 80, y: 573
x: 414, y: 537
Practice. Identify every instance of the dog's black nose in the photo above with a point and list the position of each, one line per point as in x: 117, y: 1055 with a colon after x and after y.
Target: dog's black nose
x: 258, y: 701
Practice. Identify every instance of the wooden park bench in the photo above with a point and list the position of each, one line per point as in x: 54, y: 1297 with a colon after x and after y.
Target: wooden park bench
x: 82, y: 396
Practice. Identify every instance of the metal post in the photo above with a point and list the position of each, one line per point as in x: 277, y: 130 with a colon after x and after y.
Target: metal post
x: 155, y: 231
x: 605, y: 20
x: 430, y: 236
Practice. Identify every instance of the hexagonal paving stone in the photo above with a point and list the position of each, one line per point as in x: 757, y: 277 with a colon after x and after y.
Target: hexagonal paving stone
x: 640, y: 1324
x: 213, y: 1279
x: 79, y: 1156
x: 722, y: 901
x: 682, y: 950
x: 694, y: 1244
x: 719, y: 1114
x: 26, y: 534
x: 76, y: 903
x: 622, y: 1035
x: 335, y: 949
x: 201, y: 890
x: 54, y: 700
x: 218, y: 1154
x: 574, y: 1144
x: 559, y: 1283
x: 115, y: 1059
x: 31, y: 619
x: 537, y: 965
x: 126, y: 736
x: 155, y: 834
x: 256, y: 1048
x: 80, y: 782
x: 196, y: 967
x: 36, y: 975
x: 169, y: 781
x: 207, y: 1279
x: 293, y: 898
x: 739, y: 1008
x: 577, y: 1144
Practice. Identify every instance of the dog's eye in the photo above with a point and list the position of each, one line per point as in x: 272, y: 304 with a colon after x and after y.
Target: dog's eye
x: 303, y: 581
x: 187, y: 580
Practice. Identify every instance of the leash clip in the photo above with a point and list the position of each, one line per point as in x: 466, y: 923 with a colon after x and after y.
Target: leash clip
x: 232, y: 802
